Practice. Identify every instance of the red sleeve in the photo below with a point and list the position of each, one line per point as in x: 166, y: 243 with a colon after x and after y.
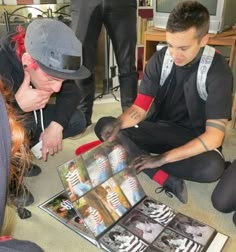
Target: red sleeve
x: 5, y: 238
x: 143, y: 101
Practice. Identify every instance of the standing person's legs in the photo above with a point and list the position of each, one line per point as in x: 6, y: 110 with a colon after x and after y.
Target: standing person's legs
x: 87, y: 19
x: 120, y: 20
x: 223, y: 197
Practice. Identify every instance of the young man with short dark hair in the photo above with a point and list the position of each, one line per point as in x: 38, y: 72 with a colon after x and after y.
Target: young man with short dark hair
x: 182, y: 109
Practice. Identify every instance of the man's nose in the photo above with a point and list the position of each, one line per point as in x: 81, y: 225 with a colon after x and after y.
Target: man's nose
x: 175, y: 54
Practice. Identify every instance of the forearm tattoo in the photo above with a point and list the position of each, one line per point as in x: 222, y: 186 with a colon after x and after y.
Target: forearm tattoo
x: 134, y: 114
x: 203, y: 144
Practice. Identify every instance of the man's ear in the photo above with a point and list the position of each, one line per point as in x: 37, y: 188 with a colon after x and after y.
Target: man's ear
x: 28, y: 61
x: 25, y: 59
x: 204, y: 40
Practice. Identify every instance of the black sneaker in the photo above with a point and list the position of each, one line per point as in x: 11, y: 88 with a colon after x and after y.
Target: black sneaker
x: 88, y: 123
x: 174, y: 186
x: 23, y: 213
x: 234, y: 218
x: 23, y: 198
x: 33, y: 170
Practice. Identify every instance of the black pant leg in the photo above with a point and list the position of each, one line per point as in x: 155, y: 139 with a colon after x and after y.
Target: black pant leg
x: 120, y: 19
x: 87, y: 19
x: 162, y: 136
x: 223, y: 196
x: 150, y: 137
x: 159, y: 137
x: 204, y: 168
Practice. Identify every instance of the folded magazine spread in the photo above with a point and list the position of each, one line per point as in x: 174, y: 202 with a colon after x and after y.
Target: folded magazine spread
x: 104, y: 202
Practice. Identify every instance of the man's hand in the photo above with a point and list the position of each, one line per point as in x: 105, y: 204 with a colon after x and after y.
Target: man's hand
x: 30, y: 99
x: 147, y: 162
x: 51, y: 139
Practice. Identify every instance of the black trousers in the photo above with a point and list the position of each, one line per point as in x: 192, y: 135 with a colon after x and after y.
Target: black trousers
x: 76, y: 125
x: 159, y: 137
x: 223, y: 197
x: 119, y: 18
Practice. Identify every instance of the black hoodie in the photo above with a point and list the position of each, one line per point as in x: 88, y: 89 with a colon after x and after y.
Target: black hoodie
x: 12, y: 73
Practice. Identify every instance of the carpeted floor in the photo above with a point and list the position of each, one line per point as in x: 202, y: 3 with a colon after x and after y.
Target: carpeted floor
x: 53, y: 236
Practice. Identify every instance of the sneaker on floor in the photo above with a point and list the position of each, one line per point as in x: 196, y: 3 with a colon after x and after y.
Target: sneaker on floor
x: 33, y: 170
x: 175, y: 186
x: 23, y: 198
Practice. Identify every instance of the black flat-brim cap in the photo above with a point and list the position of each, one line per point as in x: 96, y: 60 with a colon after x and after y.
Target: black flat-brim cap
x: 82, y: 73
x: 56, y: 49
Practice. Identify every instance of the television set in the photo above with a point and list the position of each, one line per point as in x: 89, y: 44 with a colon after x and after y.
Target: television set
x: 222, y: 13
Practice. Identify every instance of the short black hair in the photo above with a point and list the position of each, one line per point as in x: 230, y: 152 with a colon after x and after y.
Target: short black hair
x: 147, y: 201
x: 77, y: 219
x: 165, y: 240
x: 71, y: 164
x: 113, y: 234
x: 141, y: 219
x: 137, y: 219
x: 189, y: 14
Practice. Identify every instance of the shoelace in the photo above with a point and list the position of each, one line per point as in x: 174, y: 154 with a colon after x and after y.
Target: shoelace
x: 163, y: 188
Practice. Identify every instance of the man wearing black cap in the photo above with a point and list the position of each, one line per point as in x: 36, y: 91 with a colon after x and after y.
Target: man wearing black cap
x: 35, y: 64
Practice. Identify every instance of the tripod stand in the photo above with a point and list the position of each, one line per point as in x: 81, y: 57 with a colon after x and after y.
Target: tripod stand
x: 110, y: 71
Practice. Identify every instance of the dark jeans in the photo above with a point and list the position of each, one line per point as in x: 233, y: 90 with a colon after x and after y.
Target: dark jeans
x: 119, y: 18
x: 76, y: 125
x: 159, y: 137
x: 223, y: 197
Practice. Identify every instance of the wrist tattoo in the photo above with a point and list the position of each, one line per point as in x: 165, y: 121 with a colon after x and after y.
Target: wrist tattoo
x: 134, y: 114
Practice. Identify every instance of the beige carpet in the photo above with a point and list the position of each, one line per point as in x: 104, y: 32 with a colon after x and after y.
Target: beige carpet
x: 53, y: 236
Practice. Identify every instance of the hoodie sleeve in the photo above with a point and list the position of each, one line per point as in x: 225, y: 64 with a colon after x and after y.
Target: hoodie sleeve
x: 66, y: 102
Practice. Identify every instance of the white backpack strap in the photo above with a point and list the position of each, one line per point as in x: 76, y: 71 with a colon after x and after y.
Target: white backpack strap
x: 166, y: 67
x: 205, y: 64
x: 219, y: 153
